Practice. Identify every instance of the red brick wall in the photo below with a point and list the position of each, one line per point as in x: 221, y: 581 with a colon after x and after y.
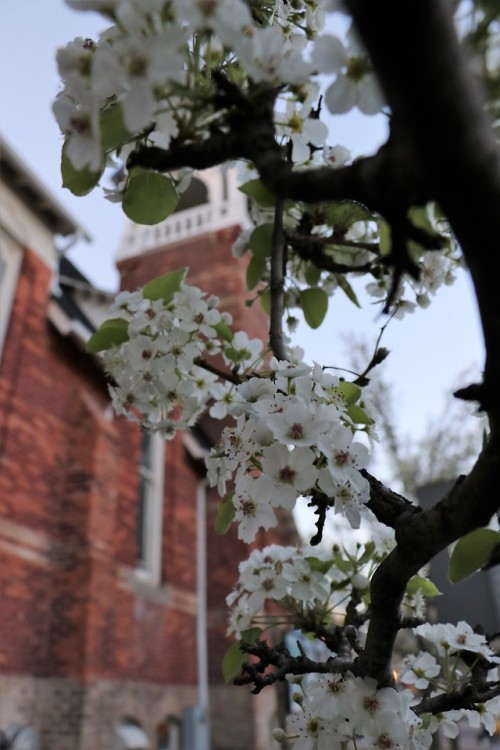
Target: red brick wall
x: 68, y: 503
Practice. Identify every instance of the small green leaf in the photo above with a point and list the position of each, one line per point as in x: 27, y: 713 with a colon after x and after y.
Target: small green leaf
x: 256, y: 190
x: 265, y: 301
x: 358, y: 415
x: 112, y: 332
x: 385, y: 237
x: 223, y: 331
x: 113, y: 131
x: 471, y: 552
x: 78, y: 181
x: 350, y: 391
x: 321, y: 566
x: 149, y: 197
x: 419, y: 217
x: 343, y: 215
x: 233, y: 659
x: 225, y: 514
x: 261, y: 240
x: 419, y: 583
x: 314, y: 303
x: 250, y: 635
x: 348, y: 290
x: 368, y: 553
x: 255, y: 269
x: 342, y: 564
x: 312, y: 274
x: 164, y: 287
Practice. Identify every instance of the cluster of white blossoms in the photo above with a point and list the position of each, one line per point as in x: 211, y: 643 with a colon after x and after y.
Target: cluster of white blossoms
x: 149, y: 71
x: 158, y: 382
x: 293, y: 436
x: 294, y: 424
x: 300, y: 580
x: 307, y: 584
x: 444, y: 669
x: 343, y: 712
x: 435, y: 269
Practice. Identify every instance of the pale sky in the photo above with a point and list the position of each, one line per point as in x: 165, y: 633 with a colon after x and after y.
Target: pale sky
x: 428, y: 348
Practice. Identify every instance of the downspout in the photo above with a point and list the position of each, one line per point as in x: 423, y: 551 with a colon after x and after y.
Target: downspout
x: 201, y: 614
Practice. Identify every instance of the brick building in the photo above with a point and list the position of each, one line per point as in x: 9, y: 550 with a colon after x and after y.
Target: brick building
x: 112, y: 580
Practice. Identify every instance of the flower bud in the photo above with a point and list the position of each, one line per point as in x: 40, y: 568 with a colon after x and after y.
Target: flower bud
x: 279, y: 735
x: 359, y: 582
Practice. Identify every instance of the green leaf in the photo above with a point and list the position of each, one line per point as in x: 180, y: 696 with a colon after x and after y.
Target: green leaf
x: 348, y: 290
x: 112, y: 332
x: 225, y: 514
x: 343, y: 215
x: 223, y: 331
x: 149, y: 197
x: 265, y: 301
x: 312, y: 274
x: 321, y: 566
x: 471, y: 552
x: 314, y: 303
x: 113, y: 131
x: 250, y: 635
x: 261, y: 240
x: 358, y: 415
x: 368, y: 553
x: 342, y: 564
x: 232, y: 661
x: 419, y: 217
x: 256, y: 190
x: 419, y: 583
x: 78, y: 181
x: 164, y: 287
x: 350, y: 391
x: 255, y: 269
x: 385, y: 237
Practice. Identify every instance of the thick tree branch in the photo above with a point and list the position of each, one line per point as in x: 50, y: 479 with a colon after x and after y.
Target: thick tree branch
x: 420, y: 536
x: 443, y: 128
x: 388, y: 507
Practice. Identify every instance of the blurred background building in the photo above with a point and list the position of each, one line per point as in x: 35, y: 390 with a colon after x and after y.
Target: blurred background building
x: 112, y: 580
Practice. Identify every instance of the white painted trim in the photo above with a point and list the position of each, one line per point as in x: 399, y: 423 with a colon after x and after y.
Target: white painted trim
x: 25, y: 228
x: 11, y: 255
x: 150, y: 571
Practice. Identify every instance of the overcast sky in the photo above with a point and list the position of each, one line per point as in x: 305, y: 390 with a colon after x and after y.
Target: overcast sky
x: 429, y: 348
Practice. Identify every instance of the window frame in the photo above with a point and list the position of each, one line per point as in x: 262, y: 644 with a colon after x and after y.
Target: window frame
x: 150, y: 502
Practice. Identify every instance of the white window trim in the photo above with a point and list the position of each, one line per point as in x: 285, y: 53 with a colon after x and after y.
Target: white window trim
x: 149, y: 569
x: 10, y: 254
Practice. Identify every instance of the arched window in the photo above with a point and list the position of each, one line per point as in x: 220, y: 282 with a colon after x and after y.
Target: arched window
x: 169, y: 734
x: 129, y: 735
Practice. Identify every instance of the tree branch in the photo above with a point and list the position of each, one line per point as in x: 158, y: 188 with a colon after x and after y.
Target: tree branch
x: 284, y: 664
x: 277, y: 283
x: 420, y: 535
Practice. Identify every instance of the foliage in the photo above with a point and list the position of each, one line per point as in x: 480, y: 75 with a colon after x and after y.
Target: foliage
x: 177, y: 85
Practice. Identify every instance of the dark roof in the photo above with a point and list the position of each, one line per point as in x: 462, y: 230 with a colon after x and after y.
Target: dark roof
x: 71, y: 280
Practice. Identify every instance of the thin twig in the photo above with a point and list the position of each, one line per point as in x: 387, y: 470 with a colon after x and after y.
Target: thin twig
x: 277, y: 284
